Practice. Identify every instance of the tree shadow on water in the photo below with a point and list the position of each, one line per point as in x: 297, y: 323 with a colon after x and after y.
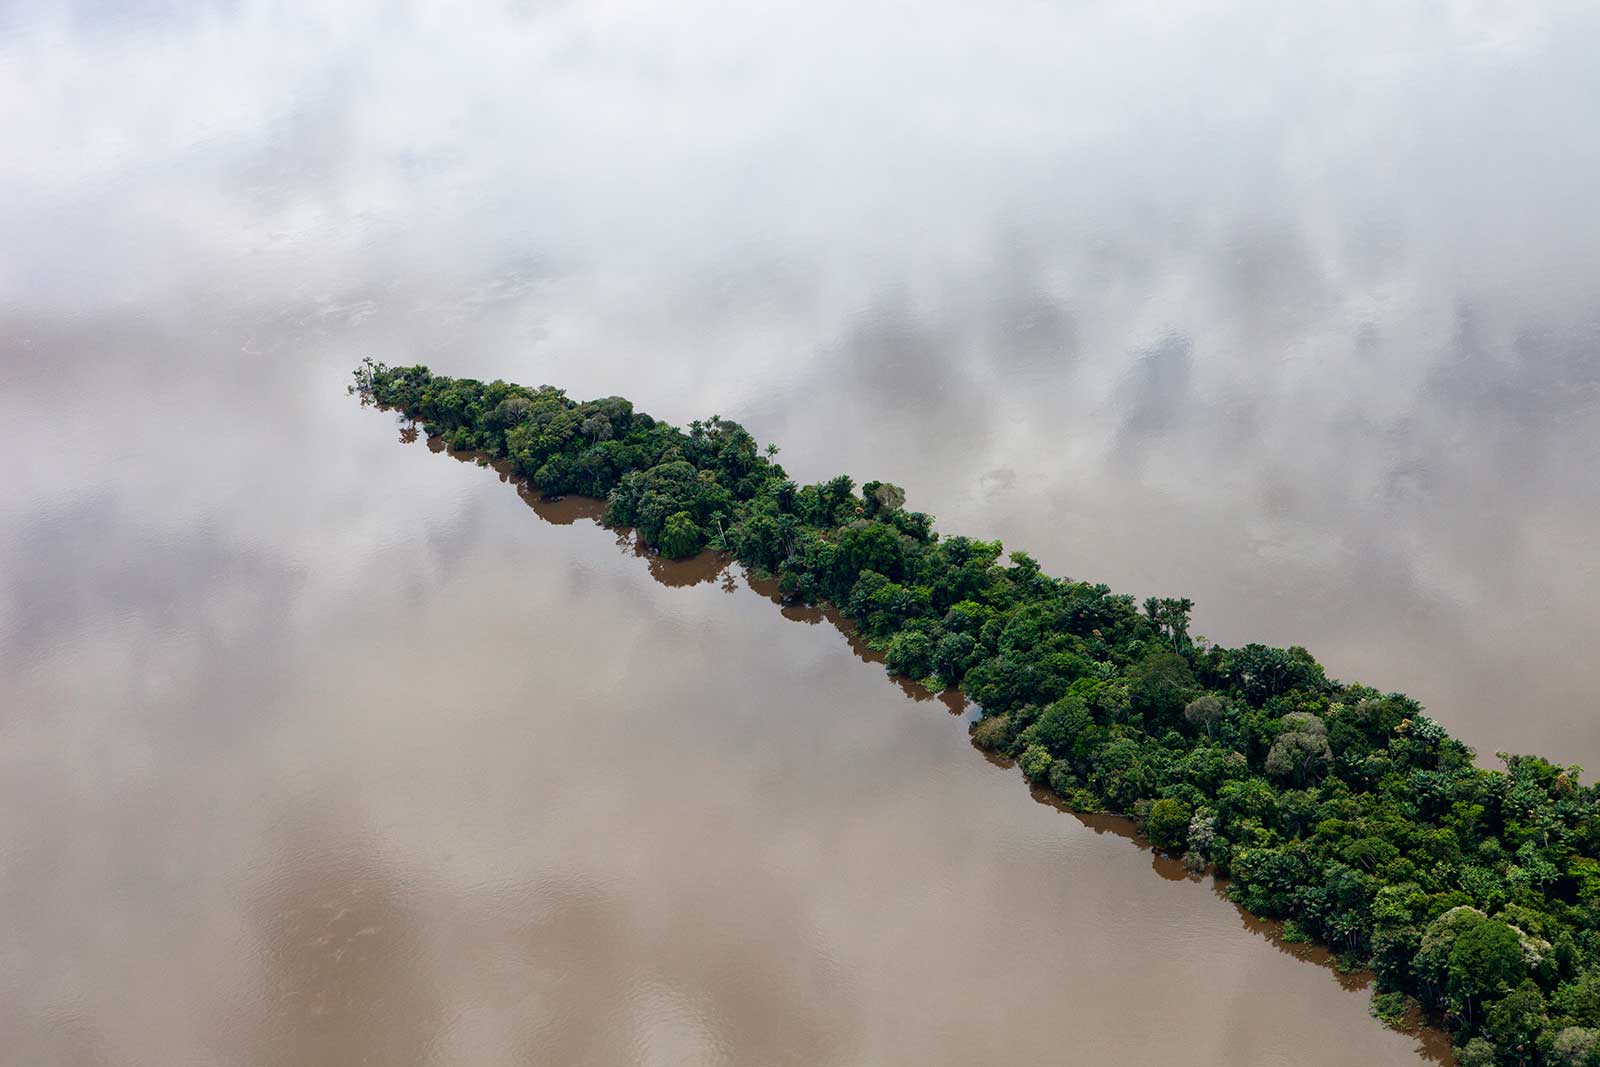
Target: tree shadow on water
x: 1433, y: 1043
x: 706, y: 567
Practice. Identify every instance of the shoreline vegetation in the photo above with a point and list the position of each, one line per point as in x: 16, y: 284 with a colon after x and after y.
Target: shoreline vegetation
x: 1343, y: 812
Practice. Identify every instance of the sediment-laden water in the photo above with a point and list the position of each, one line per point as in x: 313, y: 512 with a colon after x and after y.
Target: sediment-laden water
x: 315, y: 745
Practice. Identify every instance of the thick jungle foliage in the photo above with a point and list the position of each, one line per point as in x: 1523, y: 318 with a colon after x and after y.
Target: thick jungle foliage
x: 1341, y: 808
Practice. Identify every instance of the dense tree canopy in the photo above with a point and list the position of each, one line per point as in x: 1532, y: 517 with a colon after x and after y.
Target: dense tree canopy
x: 1344, y: 809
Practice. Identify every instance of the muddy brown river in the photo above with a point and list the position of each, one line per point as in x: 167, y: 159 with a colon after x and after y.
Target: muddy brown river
x: 322, y: 747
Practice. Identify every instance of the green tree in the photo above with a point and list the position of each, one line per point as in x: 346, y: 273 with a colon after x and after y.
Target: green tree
x: 1159, y: 687
x: 1170, y: 617
x: 874, y: 546
x: 1578, y: 1001
x: 1205, y: 711
x: 954, y: 655
x: 910, y: 654
x: 881, y: 498
x: 1300, y: 747
x: 1516, y: 1022
x: 1035, y: 763
x: 1260, y: 673
x: 1485, y: 962
x: 680, y: 538
x: 1575, y: 1046
x: 1168, y: 825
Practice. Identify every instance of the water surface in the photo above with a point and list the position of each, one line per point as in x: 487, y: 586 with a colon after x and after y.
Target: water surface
x: 316, y: 746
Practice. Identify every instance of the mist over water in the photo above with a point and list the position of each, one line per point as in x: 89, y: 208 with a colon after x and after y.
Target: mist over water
x: 315, y: 745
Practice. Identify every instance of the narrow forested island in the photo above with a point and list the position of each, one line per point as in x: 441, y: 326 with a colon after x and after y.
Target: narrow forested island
x: 1344, y: 811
